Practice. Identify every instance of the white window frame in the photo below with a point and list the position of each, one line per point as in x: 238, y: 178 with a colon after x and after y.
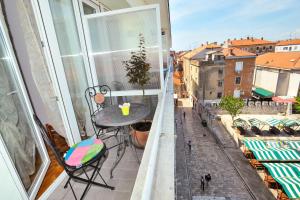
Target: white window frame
x: 239, y: 66
x: 160, y: 49
x: 33, y: 190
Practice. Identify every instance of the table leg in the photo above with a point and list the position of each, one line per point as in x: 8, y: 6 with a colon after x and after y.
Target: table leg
x: 133, y: 148
x: 120, y: 152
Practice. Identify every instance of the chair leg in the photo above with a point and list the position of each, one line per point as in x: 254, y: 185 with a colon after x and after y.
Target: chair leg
x: 68, y: 181
x: 73, y: 191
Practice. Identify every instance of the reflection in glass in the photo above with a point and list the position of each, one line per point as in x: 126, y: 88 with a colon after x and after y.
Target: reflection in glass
x: 15, y: 127
x: 72, y: 58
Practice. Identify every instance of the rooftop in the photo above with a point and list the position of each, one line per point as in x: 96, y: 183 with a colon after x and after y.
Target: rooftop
x: 279, y: 60
x: 236, y: 52
x: 250, y: 41
x: 288, y: 42
x: 194, y: 52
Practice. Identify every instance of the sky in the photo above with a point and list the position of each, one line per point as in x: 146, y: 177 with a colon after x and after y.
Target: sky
x: 194, y: 22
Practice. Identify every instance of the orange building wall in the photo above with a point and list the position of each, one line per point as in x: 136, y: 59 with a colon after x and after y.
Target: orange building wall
x: 246, y: 76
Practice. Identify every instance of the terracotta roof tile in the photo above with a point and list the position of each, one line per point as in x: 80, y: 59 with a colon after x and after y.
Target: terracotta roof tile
x: 194, y: 52
x: 288, y: 42
x: 248, y: 42
x: 236, y: 52
x: 279, y: 60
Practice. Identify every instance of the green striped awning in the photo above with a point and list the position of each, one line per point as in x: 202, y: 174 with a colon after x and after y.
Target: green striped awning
x: 273, y: 122
x: 275, y: 144
x: 289, y: 122
x: 294, y: 144
x: 255, y: 144
x: 263, y: 93
x: 266, y: 155
x: 240, y: 122
x: 280, y: 170
x: 256, y: 122
x: 287, y: 154
x: 291, y: 186
x: 296, y: 167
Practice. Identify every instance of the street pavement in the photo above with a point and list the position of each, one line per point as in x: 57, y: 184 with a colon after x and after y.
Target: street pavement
x: 209, y: 155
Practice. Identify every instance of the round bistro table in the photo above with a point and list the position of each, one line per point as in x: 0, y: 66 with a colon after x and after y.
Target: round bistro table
x: 111, y: 116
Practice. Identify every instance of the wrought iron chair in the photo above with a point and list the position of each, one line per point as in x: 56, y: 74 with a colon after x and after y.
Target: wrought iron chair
x: 95, y: 98
x: 74, y: 167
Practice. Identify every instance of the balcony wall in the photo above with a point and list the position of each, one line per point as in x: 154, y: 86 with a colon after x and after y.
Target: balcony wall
x: 155, y: 179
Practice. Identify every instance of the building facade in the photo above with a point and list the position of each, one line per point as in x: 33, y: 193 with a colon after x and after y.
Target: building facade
x: 239, y: 69
x: 278, y: 73
x: 288, y: 45
x: 252, y: 45
x: 211, y: 84
x: 190, y: 66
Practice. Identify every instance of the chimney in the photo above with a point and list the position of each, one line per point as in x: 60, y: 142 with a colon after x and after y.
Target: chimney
x: 262, y: 38
x: 241, y: 38
x: 228, y: 40
x: 206, y: 42
x: 234, y: 38
x: 201, y: 45
x: 215, y: 43
x: 252, y: 39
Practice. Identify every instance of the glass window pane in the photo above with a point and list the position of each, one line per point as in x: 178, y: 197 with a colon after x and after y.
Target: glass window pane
x: 16, y: 128
x: 114, y: 37
x: 72, y: 58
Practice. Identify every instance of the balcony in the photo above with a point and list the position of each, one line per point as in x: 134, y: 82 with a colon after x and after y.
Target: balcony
x: 155, y: 174
x: 73, y: 57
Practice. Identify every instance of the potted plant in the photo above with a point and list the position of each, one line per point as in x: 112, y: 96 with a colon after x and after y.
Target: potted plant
x: 137, y: 69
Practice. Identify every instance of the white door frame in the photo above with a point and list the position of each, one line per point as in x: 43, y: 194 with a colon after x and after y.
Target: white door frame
x: 122, y: 11
x: 56, y: 68
x: 37, y: 136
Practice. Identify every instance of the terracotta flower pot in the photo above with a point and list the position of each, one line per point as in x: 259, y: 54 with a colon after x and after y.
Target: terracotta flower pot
x: 139, y: 134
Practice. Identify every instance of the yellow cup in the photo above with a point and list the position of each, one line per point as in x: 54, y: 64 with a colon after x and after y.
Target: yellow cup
x: 125, y: 110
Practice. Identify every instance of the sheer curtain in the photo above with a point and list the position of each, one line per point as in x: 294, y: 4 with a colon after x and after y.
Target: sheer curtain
x: 72, y: 57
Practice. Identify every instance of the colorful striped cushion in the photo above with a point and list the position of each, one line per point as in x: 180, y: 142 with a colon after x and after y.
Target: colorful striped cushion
x: 83, y: 152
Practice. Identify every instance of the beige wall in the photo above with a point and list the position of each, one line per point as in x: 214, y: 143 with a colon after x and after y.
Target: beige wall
x: 266, y: 78
x: 294, y: 84
x: 209, y: 76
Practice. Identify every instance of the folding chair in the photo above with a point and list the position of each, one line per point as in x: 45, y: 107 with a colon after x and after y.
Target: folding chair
x: 87, y: 153
x: 95, y: 98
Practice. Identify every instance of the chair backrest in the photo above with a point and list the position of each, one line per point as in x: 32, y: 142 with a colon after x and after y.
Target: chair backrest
x: 94, y: 95
x: 48, y: 141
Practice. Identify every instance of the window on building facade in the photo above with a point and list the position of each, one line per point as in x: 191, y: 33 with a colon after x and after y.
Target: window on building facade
x: 238, y: 80
x: 270, y: 47
x: 237, y: 93
x: 285, y: 48
x: 220, y: 71
x: 220, y: 83
x: 239, y: 67
x: 264, y: 47
x: 295, y: 47
x: 219, y: 95
x: 290, y: 48
x: 257, y: 48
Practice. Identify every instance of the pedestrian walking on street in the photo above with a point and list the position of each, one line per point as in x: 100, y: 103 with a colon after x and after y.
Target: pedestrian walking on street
x: 183, y: 115
x: 202, y: 183
x: 190, y: 146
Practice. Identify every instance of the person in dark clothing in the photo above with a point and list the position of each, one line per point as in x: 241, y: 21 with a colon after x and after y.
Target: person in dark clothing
x: 202, y: 183
x: 183, y: 115
x: 190, y: 145
x: 207, y: 178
